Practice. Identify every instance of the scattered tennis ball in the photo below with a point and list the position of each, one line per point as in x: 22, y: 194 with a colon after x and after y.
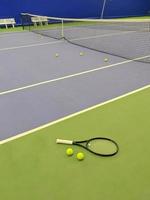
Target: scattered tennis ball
x: 81, y: 54
x: 106, y: 59
x: 69, y: 152
x: 80, y: 156
x: 57, y: 55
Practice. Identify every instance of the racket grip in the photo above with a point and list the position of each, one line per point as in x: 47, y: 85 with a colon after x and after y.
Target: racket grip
x: 60, y: 141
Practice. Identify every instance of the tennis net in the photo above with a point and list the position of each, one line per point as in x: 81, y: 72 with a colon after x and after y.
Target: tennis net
x: 126, y: 38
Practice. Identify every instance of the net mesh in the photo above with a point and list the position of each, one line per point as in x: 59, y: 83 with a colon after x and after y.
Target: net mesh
x: 126, y: 38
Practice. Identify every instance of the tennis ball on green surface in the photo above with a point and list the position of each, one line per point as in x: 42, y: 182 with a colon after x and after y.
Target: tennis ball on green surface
x: 69, y: 152
x: 80, y: 156
x: 57, y: 55
x: 106, y: 59
x: 81, y: 53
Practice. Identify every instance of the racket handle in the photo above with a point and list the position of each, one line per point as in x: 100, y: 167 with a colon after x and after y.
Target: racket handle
x: 60, y: 141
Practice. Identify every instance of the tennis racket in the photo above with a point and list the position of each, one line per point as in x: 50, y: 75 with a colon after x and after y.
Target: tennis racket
x: 100, y: 146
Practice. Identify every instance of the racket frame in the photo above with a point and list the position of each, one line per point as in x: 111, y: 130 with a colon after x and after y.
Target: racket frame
x: 86, y: 146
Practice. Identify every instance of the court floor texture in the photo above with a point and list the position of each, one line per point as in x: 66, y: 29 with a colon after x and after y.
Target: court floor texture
x: 71, y: 96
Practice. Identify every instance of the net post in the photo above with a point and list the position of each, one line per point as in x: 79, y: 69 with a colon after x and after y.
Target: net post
x: 62, y: 28
x: 22, y: 22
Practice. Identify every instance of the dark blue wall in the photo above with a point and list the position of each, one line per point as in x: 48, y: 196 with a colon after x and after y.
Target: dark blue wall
x: 122, y: 8
x: 74, y: 8
x: 148, y: 6
x: 66, y: 8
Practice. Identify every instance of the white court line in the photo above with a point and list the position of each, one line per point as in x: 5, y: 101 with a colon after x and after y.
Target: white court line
x: 70, y: 76
x: 100, y: 36
x: 71, y: 116
x: 30, y: 45
x: 59, y: 41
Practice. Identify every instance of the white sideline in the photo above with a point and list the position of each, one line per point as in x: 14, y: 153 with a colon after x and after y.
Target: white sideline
x: 72, y: 115
x: 70, y: 76
x: 61, y: 41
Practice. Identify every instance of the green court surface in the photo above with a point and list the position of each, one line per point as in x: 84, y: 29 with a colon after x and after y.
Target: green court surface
x: 10, y: 29
x: 34, y: 167
x: 19, y: 28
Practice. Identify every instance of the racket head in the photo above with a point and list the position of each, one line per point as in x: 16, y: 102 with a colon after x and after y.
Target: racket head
x: 102, y: 146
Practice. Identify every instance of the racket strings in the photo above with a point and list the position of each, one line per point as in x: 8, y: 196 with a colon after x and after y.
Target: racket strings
x: 103, y: 147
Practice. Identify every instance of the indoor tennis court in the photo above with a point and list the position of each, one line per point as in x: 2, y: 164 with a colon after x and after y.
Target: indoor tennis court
x: 75, y: 78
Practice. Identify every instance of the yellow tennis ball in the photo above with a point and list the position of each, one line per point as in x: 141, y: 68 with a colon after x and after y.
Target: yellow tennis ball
x: 57, y: 55
x: 106, y: 59
x: 81, y: 53
x: 80, y: 156
x: 69, y: 152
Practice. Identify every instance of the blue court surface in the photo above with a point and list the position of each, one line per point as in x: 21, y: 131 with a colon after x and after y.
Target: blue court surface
x: 51, y: 88
x: 37, y: 87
